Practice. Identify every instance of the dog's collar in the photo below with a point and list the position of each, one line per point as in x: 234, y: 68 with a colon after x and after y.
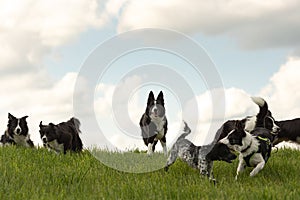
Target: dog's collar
x: 248, y: 147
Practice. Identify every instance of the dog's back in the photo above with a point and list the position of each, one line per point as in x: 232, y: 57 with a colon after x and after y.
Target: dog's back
x: 289, y: 130
x: 72, y: 127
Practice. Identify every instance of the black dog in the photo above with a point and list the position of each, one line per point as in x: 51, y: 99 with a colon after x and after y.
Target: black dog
x: 17, y: 132
x: 199, y: 157
x: 289, y: 131
x: 62, y: 137
x: 154, y: 124
x: 262, y: 119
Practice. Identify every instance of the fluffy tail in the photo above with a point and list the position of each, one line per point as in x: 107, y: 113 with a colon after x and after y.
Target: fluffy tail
x: 263, y: 110
x: 259, y: 101
x: 186, y: 131
x: 76, y: 123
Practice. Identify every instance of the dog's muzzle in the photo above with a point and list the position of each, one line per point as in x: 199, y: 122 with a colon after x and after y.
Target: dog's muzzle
x: 18, y: 131
x: 44, y: 139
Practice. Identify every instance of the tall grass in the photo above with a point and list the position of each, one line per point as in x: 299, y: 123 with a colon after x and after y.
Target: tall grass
x: 39, y: 174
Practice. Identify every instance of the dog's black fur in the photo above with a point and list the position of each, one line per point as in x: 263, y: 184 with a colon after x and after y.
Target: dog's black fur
x: 17, y: 132
x: 289, y: 131
x: 255, y: 148
x: 153, y: 123
x: 62, y: 137
x: 262, y: 119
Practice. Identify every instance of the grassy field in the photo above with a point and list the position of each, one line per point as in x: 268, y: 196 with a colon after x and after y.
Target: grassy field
x: 39, y: 174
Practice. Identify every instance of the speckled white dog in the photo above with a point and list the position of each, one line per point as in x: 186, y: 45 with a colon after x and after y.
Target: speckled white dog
x: 199, y: 157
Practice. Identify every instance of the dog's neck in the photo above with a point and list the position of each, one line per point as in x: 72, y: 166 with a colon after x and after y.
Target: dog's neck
x: 251, y: 145
x: 248, y: 147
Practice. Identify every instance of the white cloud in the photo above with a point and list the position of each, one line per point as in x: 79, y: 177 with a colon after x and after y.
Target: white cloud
x: 282, y: 92
x: 30, y: 30
x: 255, y: 24
x: 53, y: 103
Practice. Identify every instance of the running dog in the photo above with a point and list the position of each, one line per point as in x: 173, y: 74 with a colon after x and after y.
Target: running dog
x: 199, y: 157
x: 262, y: 119
x: 154, y: 124
x: 62, y: 137
x: 254, y: 148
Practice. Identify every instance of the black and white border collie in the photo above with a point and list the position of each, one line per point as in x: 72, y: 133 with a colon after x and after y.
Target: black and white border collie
x: 289, y: 131
x: 199, y: 157
x: 17, y: 132
x: 62, y: 137
x: 262, y: 119
x: 154, y: 124
x: 254, y: 148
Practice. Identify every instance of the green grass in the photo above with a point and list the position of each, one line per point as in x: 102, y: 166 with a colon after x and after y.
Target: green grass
x: 39, y: 174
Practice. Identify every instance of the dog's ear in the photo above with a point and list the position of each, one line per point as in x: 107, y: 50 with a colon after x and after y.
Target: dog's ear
x: 239, y: 125
x: 24, y: 117
x: 11, y: 117
x: 51, y: 124
x: 160, y: 98
x: 41, y: 124
x: 150, y: 98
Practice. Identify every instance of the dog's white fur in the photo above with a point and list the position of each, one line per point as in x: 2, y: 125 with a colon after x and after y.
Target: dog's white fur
x: 256, y: 160
x: 159, y: 122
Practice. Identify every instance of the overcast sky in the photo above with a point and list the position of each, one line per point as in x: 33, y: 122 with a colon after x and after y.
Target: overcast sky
x: 254, y: 45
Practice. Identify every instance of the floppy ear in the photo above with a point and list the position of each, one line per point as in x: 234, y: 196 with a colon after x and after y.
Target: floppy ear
x: 150, y: 98
x: 160, y: 98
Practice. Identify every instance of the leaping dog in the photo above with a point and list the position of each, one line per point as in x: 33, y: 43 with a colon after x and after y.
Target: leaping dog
x: 199, y: 157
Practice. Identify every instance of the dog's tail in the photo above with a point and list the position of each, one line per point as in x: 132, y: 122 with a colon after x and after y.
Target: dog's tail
x: 186, y: 131
x: 76, y: 123
x: 263, y: 110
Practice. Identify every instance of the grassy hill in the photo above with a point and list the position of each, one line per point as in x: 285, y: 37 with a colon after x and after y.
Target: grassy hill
x: 39, y: 174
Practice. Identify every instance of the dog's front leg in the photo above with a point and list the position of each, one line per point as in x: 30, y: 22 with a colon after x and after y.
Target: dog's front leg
x: 164, y: 146
x: 150, y: 149
x: 258, y: 167
x: 241, y: 166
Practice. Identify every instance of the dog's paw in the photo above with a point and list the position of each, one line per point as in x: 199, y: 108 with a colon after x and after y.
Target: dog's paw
x: 253, y: 173
x: 166, y: 168
x: 236, y: 177
x: 213, y: 180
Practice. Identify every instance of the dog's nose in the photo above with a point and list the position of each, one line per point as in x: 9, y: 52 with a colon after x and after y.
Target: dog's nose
x: 18, y: 130
x: 44, y: 140
x: 276, y: 129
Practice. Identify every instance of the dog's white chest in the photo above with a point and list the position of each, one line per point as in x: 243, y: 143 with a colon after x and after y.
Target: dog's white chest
x: 56, y: 146
x: 159, y: 122
x: 21, y: 140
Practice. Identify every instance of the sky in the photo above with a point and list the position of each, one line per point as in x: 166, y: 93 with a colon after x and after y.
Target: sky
x: 252, y: 47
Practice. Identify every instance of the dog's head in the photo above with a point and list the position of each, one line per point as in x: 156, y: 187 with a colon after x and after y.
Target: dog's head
x: 263, y: 118
x: 48, y: 133
x: 155, y: 107
x: 17, y: 126
x: 236, y: 139
x: 221, y: 152
x: 270, y: 124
